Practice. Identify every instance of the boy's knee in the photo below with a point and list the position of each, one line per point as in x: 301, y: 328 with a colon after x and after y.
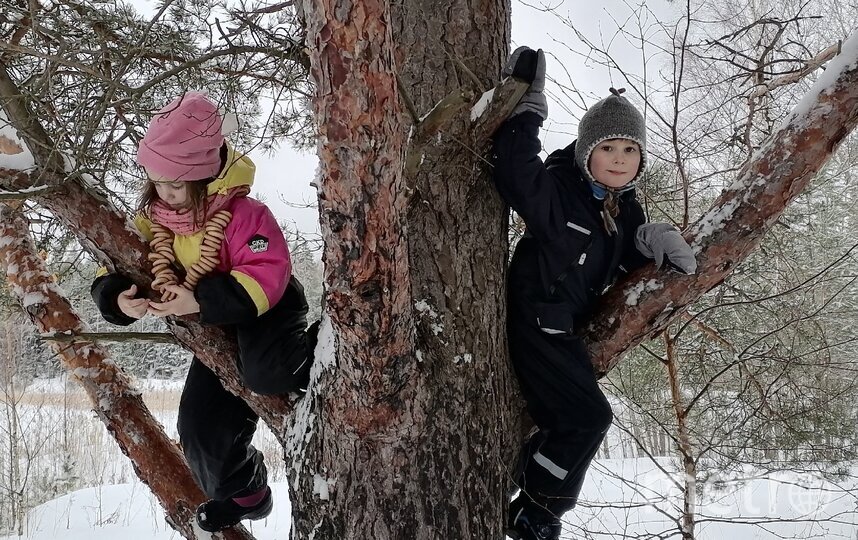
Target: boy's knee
x: 604, y: 418
x: 596, y: 418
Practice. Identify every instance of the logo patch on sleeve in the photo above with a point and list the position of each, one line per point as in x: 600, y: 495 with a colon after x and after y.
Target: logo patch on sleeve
x: 258, y: 244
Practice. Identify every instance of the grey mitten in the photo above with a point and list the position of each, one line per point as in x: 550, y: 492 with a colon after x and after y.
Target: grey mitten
x: 657, y: 240
x: 529, y: 65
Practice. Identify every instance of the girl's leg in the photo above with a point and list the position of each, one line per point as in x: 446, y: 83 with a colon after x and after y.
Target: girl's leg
x: 215, y: 430
x: 282, y: 366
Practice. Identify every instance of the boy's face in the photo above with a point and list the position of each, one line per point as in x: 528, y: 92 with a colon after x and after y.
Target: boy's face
x: 615, y: 162
x: 172, y: 192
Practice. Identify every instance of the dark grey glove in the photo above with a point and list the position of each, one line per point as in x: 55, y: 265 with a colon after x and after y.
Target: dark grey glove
x: 657, y: 240
x: 529, y: 65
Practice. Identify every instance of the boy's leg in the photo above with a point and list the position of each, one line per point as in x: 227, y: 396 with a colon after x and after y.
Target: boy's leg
x: 215, y: 430
x: 564, y: 399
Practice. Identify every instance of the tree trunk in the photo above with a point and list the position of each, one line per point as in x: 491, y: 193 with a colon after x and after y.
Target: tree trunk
x: 414, y: 427
x: 683, y: 441
x: 157, y: 460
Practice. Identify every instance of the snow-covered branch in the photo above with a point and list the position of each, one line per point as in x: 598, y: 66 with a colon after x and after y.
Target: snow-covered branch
x: 740, y: 217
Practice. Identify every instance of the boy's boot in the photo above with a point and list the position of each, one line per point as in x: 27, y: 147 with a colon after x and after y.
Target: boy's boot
x: 530, y: 521
x: 214, y: 515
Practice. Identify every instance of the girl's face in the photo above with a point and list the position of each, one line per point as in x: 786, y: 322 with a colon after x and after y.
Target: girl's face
x: 615, y: 162
x: 172, y: 192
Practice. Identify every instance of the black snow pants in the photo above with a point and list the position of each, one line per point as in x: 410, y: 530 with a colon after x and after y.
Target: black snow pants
x: 567, y: 405
x: 216, y: 427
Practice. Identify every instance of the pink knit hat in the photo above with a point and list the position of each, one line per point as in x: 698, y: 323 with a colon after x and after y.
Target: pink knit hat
x: 184, y: 139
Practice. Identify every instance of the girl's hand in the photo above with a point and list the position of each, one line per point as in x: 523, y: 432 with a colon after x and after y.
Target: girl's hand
x: 183, y: 304
x: 130, y: 306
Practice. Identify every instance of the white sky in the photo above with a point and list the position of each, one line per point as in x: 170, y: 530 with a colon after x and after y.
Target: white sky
x: 531, y: 26
x: 287, y: 174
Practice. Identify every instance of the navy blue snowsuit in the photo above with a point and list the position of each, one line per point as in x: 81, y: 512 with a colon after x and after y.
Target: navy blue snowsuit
x: 561, y: 266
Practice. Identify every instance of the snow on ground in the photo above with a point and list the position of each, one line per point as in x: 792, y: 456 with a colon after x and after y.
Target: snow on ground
x: 788, y: 505
x: 624, y: 497
x: 129, y: 512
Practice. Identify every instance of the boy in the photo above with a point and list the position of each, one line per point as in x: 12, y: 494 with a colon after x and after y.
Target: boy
x: 584, y: 228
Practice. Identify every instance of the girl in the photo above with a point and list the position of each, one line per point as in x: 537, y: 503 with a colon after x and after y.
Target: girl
x: 584, y: 228
x: 219, y: 253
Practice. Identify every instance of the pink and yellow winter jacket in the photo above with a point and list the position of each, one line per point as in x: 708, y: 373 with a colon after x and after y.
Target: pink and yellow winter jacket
x: 253, y: 288
x: 254, y: 251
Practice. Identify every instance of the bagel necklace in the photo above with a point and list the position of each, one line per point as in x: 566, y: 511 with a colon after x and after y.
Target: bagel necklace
x: 163, y: 257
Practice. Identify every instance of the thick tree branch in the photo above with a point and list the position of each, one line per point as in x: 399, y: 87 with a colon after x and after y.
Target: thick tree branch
x: 740, y: 217
x: 157, y: 460
x: 487, y: 114
x: 431, y: 124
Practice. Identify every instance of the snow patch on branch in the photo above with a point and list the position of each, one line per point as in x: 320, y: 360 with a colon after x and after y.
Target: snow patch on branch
x: 86, y: 373
x: 7, y: 240
x: 33, y: 298
x: 845, y: 61
x: 14, y: 154
x: 200, y: 534
x: 634, y: 292
x: 713, y: 222
x: 482, y: 104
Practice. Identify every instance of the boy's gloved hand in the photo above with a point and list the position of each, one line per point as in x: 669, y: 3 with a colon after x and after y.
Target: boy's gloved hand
x: 655, y: 240
x: 529, y: 65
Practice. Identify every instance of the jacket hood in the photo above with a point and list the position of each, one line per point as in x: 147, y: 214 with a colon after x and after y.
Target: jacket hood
x: 239, y: 170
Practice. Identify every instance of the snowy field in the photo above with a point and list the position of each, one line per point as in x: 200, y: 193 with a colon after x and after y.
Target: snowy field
x: 92, y: 494
x: 783, y: 507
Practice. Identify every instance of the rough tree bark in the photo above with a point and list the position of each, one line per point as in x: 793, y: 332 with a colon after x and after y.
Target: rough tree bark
x: 157, y: 460
x: 414, y: 424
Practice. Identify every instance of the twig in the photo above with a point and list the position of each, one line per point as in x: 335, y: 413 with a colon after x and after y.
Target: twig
x: 810, y: 66
x: 407, y: 101
x: 468, y: 73
x: 154, y: 337
x: 24, y: 194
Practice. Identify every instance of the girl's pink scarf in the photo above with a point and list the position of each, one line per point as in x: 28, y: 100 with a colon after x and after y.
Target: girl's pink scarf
x: 182, y: 221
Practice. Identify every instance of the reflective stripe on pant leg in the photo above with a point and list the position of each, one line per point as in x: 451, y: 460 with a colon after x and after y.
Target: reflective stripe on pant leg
x: 556, y: 470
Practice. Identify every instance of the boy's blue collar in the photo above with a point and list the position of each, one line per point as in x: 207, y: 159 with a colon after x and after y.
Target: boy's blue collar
x: 600, y: 191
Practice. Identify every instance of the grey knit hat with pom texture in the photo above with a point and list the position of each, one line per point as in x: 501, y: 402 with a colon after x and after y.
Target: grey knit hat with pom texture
x: 611, y: 118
